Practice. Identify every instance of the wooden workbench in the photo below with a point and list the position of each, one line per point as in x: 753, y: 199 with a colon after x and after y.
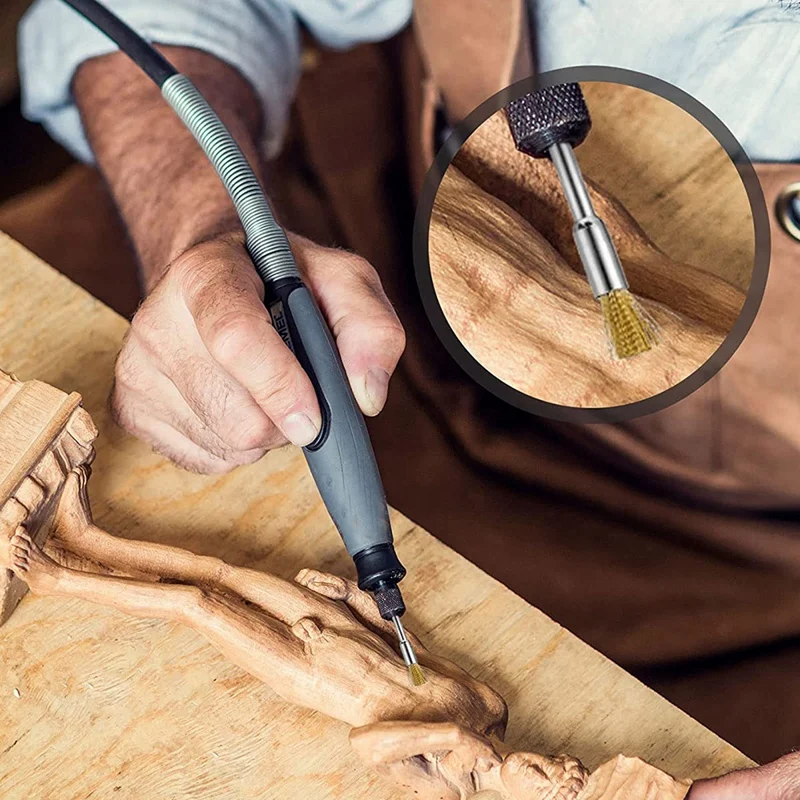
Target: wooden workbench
x: 97, y: 704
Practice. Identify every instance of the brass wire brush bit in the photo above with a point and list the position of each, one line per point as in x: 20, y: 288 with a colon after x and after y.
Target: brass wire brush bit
x: 549, y: 123
x: 391, y: 607
x: 628, y: 328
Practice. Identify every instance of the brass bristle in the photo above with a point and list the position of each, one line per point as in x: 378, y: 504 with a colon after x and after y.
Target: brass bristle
x: 416, y: 674
x: 629, y: 330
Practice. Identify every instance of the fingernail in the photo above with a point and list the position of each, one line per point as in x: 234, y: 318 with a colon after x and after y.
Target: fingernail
x: 299, y: 429
x: 376, y: 385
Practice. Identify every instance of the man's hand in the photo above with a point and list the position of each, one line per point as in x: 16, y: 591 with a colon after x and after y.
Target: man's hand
x: 205, y: 378
x: 779, y: 780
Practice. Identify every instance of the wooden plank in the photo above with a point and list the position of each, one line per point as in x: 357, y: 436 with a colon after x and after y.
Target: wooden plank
x: 96, y: 704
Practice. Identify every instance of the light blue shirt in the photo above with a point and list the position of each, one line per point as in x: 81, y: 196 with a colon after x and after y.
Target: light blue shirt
x: 741, y: 58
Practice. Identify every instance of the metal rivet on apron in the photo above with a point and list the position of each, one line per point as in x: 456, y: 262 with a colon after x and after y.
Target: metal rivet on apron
x: 309, y: 59
x: 787, y: 209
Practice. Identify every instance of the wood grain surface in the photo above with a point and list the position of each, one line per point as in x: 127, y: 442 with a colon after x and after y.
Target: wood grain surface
x: 672, y: 175
x: 511, y: 285
x: 526, y: 316
x: 97, y: 704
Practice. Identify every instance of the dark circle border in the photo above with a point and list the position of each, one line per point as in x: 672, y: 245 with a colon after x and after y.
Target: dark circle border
x: 669, y: 396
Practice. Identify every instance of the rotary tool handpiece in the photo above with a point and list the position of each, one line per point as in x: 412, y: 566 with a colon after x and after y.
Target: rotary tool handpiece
x: 341, y: 458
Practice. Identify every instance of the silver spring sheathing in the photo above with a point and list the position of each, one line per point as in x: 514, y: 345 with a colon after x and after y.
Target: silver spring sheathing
x: 266, y: 240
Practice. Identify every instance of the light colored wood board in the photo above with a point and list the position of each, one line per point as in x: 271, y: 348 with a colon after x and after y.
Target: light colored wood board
x: 673, y: 176
x: 115, y: 707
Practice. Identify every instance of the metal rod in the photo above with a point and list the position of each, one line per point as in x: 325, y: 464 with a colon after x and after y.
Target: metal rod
x: 406, y: 650
x: 571, y: 177
x: 598, y: 254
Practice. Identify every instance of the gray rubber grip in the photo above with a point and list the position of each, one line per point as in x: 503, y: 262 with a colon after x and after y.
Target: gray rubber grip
x: 550, y: 116
x: 344, y: 465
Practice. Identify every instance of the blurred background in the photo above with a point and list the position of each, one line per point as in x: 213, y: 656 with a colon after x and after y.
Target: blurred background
x: 37, y: 175
x: 27, y: 156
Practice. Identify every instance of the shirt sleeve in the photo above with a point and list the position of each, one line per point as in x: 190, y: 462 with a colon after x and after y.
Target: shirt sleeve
x: 749, y: 76
x: 258, y: 37
x: 340, y: 24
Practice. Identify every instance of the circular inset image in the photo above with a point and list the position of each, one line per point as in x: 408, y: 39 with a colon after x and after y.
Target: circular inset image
x: 591, y: 245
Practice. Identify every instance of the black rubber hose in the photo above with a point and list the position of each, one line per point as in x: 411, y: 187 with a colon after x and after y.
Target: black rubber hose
x: 142, y: 52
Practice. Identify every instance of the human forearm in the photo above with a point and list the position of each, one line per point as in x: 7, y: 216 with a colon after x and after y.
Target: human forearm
x: 203, y: 376
x: 779, y: 780
x: 166, y: 190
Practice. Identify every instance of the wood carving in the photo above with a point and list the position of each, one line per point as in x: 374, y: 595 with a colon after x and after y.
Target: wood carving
x: 317, y: 641
x: 44, y: 435
x: 519, y: 302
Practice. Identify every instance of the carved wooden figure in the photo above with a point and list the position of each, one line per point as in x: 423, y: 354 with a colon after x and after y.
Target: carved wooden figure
x: 317, y: 641
x: 44, y: 434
